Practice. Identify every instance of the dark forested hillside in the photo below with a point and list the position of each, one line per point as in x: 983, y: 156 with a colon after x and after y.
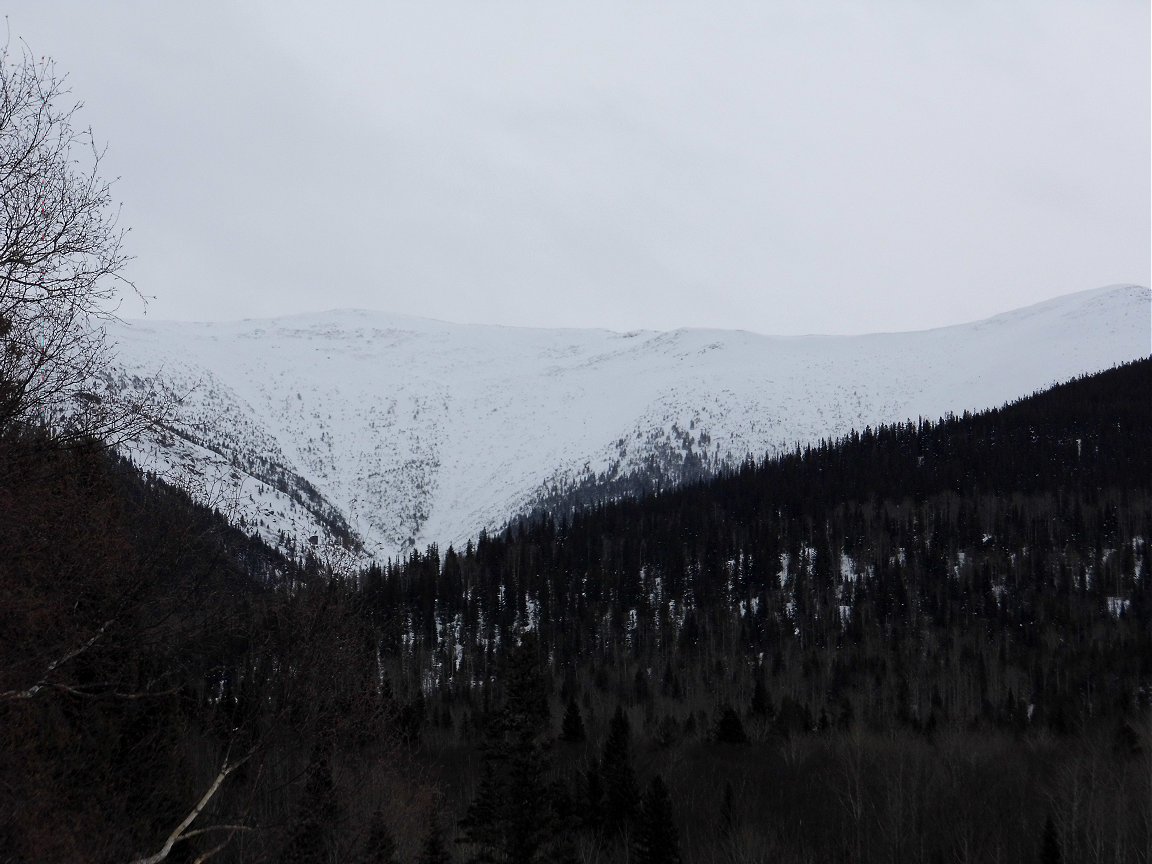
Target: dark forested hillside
x: 169, y: 687
x: 928, y: 643
x: 988, y: 535
x: 974, y: 588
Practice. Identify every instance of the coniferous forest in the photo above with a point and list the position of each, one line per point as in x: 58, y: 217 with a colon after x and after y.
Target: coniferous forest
x: 930, y: 642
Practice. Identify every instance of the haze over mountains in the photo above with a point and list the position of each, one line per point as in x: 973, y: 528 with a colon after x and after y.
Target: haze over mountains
x: 396, y: 432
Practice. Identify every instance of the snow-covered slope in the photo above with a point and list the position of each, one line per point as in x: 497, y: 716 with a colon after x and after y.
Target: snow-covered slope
x: 401, y: 431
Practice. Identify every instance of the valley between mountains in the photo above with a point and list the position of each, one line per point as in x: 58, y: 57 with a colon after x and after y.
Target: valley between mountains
x: 376, y: 434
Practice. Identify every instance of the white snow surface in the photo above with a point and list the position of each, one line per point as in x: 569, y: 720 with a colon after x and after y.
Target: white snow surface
x: 416, y: 431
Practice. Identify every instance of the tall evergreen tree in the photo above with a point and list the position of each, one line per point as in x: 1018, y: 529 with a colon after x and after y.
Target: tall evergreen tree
x: 593, y: 815
x: 1050, y: 844
x: 433, y: 849
x: 513, y: 817
x: 656, y: 840
x: 728, y: 808
x: 572, y: 727
x: 729, y: 729
x: 313, y: 835
x: 621, y: 793
x: 761, y: 702
x: 381, y: 845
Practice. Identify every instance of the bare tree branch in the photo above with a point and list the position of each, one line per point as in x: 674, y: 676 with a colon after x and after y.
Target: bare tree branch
x: 61, y: 262
x: 211, y: 853
x: 44, y: 683
x: 181, y: 832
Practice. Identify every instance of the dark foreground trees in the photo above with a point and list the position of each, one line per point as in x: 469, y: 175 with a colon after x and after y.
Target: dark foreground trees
x: 657, y: 840
x: 171, y: 689
x: 516, y: 817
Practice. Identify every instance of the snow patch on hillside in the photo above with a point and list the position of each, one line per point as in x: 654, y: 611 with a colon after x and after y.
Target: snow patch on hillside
x: 393, y: 432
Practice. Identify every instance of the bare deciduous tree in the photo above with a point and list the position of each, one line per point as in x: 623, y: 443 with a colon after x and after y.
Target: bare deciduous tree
x: 61, y: 259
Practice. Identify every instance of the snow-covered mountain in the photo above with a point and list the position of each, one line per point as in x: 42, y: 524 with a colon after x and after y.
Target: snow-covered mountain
x: 397, y: 431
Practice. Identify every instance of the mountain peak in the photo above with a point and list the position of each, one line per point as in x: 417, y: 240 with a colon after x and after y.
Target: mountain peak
x: 397, y: 430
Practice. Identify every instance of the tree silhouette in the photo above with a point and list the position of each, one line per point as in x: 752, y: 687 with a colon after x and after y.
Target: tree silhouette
x: 381, y: 845
x: 61, y: 260
x: 313, y: 834
x: 656, y: 840
x: 432, y: 848
x: 1050, y: 844
x: 572, y: 727
x: 729, y: 729
x: 621, y: 794
x: 513, y: 817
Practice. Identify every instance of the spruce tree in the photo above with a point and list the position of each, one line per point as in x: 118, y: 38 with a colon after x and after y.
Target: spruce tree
x: 432, y: 849
x: 572, y: 728
x: 621, y: 794
x: 656, y: 840
x: 593, y: 796
x: 313, y: 834
x: 381, y: 845
x: 729, y: 729
x: 761, y: 701
x: 513, y: 818
x: 1050, y: 845
x: 728, y: 808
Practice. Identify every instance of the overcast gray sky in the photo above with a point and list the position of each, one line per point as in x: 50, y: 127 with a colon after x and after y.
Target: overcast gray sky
x: 785, y: 166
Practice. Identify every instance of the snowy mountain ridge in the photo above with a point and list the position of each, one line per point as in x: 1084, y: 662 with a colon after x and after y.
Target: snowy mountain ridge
x: 394, y: 432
